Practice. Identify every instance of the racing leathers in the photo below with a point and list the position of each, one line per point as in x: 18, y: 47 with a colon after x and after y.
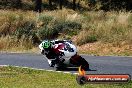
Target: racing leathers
x: 50, y: 51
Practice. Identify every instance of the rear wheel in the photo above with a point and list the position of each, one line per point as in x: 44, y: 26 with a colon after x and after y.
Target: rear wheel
x: 80, y: 61
x: 84, y: 64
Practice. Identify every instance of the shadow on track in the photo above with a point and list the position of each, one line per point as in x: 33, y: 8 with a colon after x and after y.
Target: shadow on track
x: 71, y: 69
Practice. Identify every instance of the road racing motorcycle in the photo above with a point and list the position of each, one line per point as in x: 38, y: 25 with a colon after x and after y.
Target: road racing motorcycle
x: 66, y: 51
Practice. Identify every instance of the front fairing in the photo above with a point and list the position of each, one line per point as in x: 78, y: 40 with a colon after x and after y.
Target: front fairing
x: 69, y: 50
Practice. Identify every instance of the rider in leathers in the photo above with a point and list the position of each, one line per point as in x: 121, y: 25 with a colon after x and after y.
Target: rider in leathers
x: 47, y: 48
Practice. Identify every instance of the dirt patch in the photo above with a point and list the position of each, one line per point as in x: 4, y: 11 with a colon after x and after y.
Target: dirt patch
x: 102, y: 49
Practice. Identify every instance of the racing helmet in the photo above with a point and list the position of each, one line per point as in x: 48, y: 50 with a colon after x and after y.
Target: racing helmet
x: 46, y: 44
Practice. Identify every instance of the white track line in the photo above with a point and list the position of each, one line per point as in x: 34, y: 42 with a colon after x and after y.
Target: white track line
x: 67, y: 72
x: 41, y: 69
x: 50, y: 70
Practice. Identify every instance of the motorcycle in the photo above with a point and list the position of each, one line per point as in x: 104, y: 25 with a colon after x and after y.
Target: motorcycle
x: 67, y: 52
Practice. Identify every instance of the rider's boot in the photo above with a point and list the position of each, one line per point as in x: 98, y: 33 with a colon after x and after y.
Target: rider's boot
x: 52, y: 64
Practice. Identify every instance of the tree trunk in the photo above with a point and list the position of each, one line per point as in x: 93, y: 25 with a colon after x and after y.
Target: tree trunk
x: 78, y: 5
x: 50, y: 3
x: 38, y: 4
x: 129, y: 5
x: 19, y: 3
x: 60, y: 3
x: 74, y: 4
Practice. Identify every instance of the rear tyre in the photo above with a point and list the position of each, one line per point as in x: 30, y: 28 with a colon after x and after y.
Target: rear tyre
x: 84, y: 64
x: 80, y: 61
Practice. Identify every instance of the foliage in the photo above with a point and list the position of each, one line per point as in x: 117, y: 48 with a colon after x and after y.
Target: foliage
x: 10, y: 4
x: 86, y: 37
x: 66, y: 26
x: 106, y: 5
x: 114, y: 4
x: 26, y: 28
x: 45, y: 19
x: 46, y: 33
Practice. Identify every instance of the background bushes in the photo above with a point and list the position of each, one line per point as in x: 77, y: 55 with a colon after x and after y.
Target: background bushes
x: 109, y: 5
x: 36, y: 28
x: 66, y: 26
x: 28, y: 29
x: 10, y: 4
x: 25, y: 28
x: 106, y: 5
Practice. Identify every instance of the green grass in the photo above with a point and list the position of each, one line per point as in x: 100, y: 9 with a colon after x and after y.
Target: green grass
x: 14, y: 77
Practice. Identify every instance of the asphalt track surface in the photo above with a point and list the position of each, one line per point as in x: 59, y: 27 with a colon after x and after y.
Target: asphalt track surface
x: 98, y: 64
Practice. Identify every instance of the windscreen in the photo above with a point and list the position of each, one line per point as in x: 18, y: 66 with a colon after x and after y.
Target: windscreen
x: 68, y: 47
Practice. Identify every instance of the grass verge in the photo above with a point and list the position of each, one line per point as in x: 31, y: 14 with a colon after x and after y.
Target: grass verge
x: 14, y: 77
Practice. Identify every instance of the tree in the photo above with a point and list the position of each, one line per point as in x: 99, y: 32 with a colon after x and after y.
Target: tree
x: 50, y: 3
x: 60, y: 3
x: 38, y: 4
x: 129, y: 5
x: 74, y: 4
x: 18, y: 4
x: 78, y: 4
